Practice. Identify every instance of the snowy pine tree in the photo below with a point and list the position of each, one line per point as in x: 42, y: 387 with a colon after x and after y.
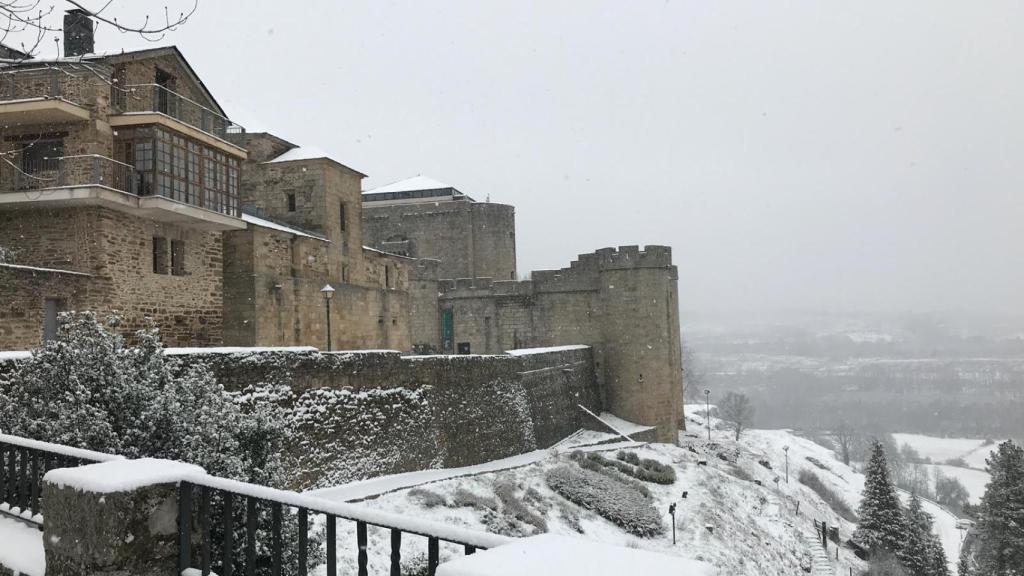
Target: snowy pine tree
x: 882, y: 523
x: 913, y: 553
x: 963, y: 567
x: 1001, y: 520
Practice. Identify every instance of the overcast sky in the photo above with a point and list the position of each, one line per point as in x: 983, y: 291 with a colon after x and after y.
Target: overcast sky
x: 827, y: 155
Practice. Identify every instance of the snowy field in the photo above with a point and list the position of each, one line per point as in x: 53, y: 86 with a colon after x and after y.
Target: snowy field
x: 972, y: 451
x: 21, y: 547
x: 735, y: 515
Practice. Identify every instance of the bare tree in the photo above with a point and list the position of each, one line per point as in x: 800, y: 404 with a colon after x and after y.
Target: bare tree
x: 735, y: 408
x: 846, y: 439
x: 31, y: 19
x: 694, y: 375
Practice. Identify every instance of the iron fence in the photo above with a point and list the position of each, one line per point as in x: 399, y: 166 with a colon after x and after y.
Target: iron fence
x: 157, y: 98
x: 229, y: 497
x: 23, y: 463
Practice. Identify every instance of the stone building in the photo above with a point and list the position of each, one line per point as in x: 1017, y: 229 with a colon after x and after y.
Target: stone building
x: 116, y: 183
x: 423, y: 218
x: 305, y: 231
x: 121, y: 191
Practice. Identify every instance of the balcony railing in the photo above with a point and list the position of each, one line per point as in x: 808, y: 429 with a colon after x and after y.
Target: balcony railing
x: 156, y: 98
x: 41, y: 83
x: 94, y: 170
x: 62, y: 171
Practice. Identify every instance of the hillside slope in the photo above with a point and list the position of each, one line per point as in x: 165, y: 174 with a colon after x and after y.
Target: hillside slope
x: 738, y: 514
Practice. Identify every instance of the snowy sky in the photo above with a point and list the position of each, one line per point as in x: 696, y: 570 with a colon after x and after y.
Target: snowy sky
x: 801, y: 154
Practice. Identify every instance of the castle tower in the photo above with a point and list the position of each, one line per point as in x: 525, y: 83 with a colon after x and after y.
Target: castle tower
x: 640, y: 341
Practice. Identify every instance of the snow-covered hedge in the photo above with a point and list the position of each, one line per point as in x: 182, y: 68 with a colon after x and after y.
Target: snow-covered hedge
x: 619, y: 503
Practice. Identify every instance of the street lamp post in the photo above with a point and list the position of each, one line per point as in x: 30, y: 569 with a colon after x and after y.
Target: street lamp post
x: 707, y: 408
x: 328, y: 292
x: 786, y: 450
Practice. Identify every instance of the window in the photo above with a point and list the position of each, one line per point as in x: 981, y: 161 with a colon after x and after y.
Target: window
x: 41, y: 155
x: 464, y: 348
x: 179, y: 168
x: 344, y: 273
x: 159, y: 255
x: 178, y: 257
x: 51, y: 307
x: 291, y: 202
x: 387, y: 276
x: 342, y: 217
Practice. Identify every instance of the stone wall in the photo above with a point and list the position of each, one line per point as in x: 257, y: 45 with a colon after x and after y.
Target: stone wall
x: 116, y: 249
x: 363, y: 414
x: 622, y: 302
x: 470, y: 239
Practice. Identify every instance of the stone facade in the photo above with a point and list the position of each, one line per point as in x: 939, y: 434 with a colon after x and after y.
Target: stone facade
x: 115, y: 251
x: 470, y: 239
x: 623, y: 303
x: 273, y: 273
x: 73, y: 205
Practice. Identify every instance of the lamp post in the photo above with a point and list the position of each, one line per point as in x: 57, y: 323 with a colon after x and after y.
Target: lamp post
x: 786, y: 450
x: 707, y: 408
x: 328, y: 292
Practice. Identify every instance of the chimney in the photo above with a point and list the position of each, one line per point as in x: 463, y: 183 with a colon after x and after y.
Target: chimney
x: 78, y: 33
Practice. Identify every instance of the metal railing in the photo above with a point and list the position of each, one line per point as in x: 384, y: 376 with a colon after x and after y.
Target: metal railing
x: 61, y: 171
x: 225, y: 492
x: 24, y: 462
x: 40, y: 83
x: 160, y: 99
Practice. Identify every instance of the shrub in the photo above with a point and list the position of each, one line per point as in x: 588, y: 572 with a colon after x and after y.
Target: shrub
x: 836, y: 502
x: 505, y: 490
x: 465, y: 499
x: 630, y: 457
x: 958, y: 462
x: 619, y: 503
x: 740, y: 473
x: 427, y: 498
x: 597, y: 463
x: 654, y: 471
x: 570, y: 515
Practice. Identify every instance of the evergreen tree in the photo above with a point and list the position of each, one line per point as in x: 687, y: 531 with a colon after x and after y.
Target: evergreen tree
x: 913, y: 552
x: 882, y: 523
x: 1001, y: 518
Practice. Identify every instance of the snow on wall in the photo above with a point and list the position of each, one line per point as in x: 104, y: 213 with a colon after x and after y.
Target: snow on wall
x: 366, y: 413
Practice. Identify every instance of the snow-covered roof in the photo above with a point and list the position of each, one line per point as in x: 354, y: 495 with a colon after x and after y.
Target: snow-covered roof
x: 528, y: 351
x: 368, y: 249
x: 409, y: 185
x: 256, y: 221
x: 300, y: 153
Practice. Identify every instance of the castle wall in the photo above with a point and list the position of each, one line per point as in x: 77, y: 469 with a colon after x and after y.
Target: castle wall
x: 471, y: 239
x: 117, y: 250
x: 364, y: 414
x: 623, y: 303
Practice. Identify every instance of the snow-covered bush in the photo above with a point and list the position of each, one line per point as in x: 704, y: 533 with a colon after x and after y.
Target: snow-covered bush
x: 465, y: 499
x: 619, y: 503
x: 505, y: 490
x: 427, y: 498
x: 6, y: 255
x: 88, y: 389
x: 596, y: 463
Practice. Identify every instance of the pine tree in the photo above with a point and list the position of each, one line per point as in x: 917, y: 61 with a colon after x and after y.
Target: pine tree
x: 1001, y: 519
x: 882, y: 523
x: 913, y: 553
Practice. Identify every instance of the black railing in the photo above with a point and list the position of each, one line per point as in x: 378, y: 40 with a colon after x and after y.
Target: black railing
x: 40, y: 83
x: 224, y: 500
x: 156, y: 98
x: 60, y: 171
x: 23, y: 463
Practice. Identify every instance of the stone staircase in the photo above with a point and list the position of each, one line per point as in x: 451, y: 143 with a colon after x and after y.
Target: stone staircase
x: 821, y: 565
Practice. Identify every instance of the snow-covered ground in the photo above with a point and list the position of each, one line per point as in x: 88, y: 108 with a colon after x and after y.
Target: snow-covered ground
x: 739, y: 515
x: 21, y: 547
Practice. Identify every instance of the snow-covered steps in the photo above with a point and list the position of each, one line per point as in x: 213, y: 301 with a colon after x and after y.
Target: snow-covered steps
x: 820, y: 563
